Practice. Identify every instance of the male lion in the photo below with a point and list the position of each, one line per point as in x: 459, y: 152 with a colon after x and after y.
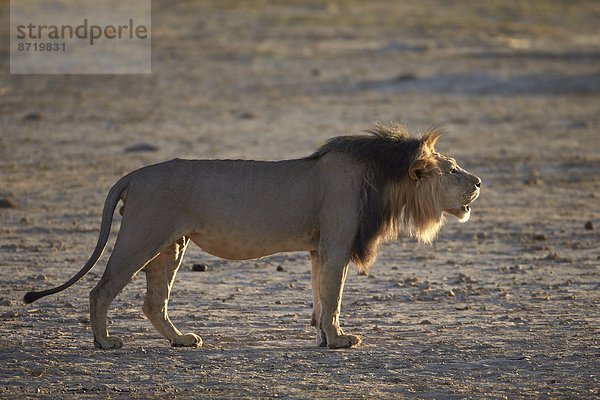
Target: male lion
x: 338, y: 203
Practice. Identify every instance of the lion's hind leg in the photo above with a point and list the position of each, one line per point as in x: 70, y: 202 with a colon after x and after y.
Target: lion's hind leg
x: 160, y: 275
x: 125, y: 261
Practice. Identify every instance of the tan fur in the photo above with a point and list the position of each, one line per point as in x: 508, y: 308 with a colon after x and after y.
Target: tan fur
x: 339, y: 204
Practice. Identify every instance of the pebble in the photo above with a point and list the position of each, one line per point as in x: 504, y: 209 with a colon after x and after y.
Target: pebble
x: 589, y: 226
x: 413, y: 281
x: 280, y: 268
x: 199, y: 267
x: 534, y: 181
x: 406, y: 76
x: 141, y: 147
x: 7, y: 203
x: 10, y: 314
x: 32, y: 116
x: 246, y: 115
x: 516, y: 268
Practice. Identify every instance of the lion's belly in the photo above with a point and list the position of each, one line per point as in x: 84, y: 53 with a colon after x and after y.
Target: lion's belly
x: 238, y: 246
x: 245, y: 209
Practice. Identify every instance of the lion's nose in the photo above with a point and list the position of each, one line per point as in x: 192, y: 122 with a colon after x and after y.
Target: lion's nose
x: 478, y: 183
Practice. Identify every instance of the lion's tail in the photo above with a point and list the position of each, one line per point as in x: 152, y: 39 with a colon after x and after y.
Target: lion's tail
x: 114, y: 195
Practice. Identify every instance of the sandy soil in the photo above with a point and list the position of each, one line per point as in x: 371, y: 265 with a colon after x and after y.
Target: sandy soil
x: 505, y: 306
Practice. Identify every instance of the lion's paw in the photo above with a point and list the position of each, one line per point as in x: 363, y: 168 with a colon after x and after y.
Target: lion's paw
x: 187, y: 340
x: 344, y: 341
x: 109, y: 342
x: 321, y: 338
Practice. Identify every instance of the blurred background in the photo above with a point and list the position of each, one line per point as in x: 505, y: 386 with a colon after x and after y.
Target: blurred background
x: 515, y: 82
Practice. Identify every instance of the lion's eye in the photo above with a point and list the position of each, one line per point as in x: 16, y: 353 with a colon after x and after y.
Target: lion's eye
x: 454, y: 170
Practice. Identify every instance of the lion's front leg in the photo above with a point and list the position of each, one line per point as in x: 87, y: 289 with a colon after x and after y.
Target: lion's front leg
x: 332, y: 276
x: 316, y: 313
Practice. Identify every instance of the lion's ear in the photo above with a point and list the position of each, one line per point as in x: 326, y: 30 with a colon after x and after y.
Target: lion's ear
x: 417, y: 169
x: 430, y: 138
x: 423, y: 167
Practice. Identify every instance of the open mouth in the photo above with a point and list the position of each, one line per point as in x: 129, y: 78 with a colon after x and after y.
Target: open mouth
x: 462, y: 213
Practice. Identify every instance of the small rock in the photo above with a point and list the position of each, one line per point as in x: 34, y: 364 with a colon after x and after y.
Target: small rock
x: 553, y: 256
x: 10, y: 314
x: 535, y: 181
x: 280, y: 268
x: 516, y: 268
x: 7, y: 203
x: 38, y: 372
x: 41, y: 277
x: 141, y: 147
x: 199, y: 267
x: 451, y: 293
x: 425, y: 285
x: 246, y: 115
x: 540, y: 296
x: 540, y: 237
x: 589, y: 226
x: 32, y: 117
x: 278, y: 302
x: 425, y: 322
x: 413, y: 281
x: 406, y: 76
x: 464, y: 278
x: 6, y: 302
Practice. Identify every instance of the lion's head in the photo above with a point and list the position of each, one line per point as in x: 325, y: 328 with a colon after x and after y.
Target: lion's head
x: 407, y: 186
x: 435, y: 185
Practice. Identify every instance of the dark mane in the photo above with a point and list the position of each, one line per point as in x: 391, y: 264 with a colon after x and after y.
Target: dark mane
x: 386, y: 153
x: 389, y: 150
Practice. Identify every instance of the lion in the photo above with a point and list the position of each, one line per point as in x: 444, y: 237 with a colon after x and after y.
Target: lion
x: 338, y: 203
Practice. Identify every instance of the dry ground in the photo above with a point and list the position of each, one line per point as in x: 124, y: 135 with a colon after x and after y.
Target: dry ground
x: 504, y: 306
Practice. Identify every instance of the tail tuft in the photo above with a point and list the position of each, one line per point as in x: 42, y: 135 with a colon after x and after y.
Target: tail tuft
x: 30, y: 297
